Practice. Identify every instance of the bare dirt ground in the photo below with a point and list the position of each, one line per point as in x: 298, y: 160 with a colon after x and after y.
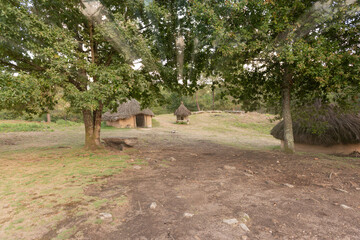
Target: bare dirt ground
x: 197, y: 183
x: 203, y: 182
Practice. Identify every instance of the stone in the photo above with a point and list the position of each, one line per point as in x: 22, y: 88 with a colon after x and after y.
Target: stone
x: 172, y: 159
x: 341, y: 190
x: 105, y: 216
x: 358, y: 188
x: 248, y: 174
x: 244, y: 227
x: 231, y: 221
x: 137, y: 167
x: 345, y: 206
x: 227, y: 167
x: 153, y: 205
x: 270, y: 182
x: 188, y: 215
x: 244, y: 237
x: 6, y: 205
x: 288, y: 185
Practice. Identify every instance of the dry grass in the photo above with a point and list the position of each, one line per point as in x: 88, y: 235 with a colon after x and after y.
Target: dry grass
x: 248, y: 131
x: 39, y: 187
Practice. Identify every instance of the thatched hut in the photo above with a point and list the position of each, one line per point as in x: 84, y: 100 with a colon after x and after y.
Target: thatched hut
x: 129, y: 115
x: 324, y: 130
x: 182, y: 114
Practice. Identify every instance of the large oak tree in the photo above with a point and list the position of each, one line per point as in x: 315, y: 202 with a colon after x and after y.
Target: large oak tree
x: 85, y: 48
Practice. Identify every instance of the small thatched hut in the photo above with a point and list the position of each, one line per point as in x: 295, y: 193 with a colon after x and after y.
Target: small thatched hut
x: 182, y: 114
x: 324, y: 130
x: 129, y: 115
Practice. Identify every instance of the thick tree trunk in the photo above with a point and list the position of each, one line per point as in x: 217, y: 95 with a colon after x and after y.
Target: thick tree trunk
x: 288, y: 129
x: 92, y: 122
x: 197, y: 101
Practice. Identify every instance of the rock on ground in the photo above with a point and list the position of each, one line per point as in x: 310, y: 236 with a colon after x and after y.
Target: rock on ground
x: 244, y: 227
x: 288, y: 185
x: 188, y: 215
x: 230, y: 221
x: 345, y: 206
x: 153, y: 205
x: 227, y: 167
x: 104, y: 216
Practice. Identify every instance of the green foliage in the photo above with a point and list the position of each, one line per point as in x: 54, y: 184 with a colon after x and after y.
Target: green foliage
x: 24, y: 127
x: 83, y: 51
x: 172, y: 101
x: 317, y: 43
x: 9, y: 115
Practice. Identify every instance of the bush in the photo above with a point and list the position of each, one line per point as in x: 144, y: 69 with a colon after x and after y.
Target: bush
x: 23, y: 127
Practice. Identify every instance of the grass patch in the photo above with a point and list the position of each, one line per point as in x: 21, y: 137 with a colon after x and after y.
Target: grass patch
x: 104, y: 126
x: 41, y: 184
x: 66, y: 234
x: 155, y: 123
x: 100, y: 203
x: 181, y: 123
x: 263, y: 128
x: 217, y: 129
x: 24, y: 127
x: 66, y: 123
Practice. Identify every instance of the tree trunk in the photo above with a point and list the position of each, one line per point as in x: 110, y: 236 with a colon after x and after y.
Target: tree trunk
x: 92, y: 122
x: 97, y: 124
x: 197, y: 101
x: 213, y: 99
x: 288, y: 128
x: 48, y: 118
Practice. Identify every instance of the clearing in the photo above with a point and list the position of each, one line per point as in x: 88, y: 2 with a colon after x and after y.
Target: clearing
x: 221, y: 167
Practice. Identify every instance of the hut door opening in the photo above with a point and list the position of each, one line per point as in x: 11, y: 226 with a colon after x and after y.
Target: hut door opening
x: 140, y: 120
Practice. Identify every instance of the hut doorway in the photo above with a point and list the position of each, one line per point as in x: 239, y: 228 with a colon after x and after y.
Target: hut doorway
x: 140, y: 120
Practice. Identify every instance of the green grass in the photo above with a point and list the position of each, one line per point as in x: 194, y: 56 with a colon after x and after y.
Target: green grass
x: 41, y: 181
x: 66, y: 234
x: 100, y: 203
x: 155, y: 123
x: 24, y: 127
x: 263, y: 128
x: 66, y: 123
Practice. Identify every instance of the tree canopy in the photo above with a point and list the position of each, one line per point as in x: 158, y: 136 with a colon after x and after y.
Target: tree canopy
x: 278, y: 53
x: 85, y: 48
x: 275, y: 51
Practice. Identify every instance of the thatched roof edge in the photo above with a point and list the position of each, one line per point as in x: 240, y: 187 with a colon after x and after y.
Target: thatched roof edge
x: 182, y: 111
x: 126, y: 110
x: 339, y: 129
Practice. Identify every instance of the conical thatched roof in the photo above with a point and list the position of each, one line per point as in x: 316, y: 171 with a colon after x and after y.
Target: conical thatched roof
x: 182, y: 111
x: 126, y: 110
x: 323, y: 126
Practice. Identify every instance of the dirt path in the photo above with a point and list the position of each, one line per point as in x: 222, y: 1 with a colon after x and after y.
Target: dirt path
x: 215, y: 182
